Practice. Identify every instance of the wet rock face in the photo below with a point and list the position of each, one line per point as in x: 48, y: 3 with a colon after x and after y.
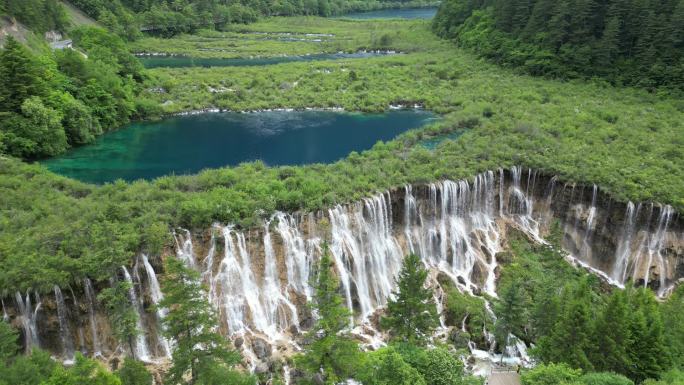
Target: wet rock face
x: 259, y: 280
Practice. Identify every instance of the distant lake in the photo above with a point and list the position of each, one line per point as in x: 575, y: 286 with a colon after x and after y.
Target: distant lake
x: 188, y: 144
x: 186, y: 61
x: 407, y: 13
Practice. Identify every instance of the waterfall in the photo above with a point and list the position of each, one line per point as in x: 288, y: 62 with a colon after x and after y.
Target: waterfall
x: 624, y: 244
x: 279, y: 310
x: 157, y: 296
x: 259, y: 280
x: 90, y: 299
x: 297, y: 257
x: 655, y: 247
x: 184, y: 249
x: 366, y: 254
x: 5, y: 317
x: 64, y: 330
x: 28, y: 317
x: 142, y: 352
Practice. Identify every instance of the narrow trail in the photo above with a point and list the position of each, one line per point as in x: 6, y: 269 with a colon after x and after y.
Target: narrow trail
x: 503, y: 378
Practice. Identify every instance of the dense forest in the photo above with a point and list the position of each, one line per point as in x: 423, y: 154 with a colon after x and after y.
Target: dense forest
x: 627, y: 42
x: 167, y: 18
x: 39, y: 15
x: 52, y: 100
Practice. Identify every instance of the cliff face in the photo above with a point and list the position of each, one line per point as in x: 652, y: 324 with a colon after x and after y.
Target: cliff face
x: 259, y: 279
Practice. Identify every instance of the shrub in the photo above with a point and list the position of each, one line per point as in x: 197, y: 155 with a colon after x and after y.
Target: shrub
x: 551, y: 374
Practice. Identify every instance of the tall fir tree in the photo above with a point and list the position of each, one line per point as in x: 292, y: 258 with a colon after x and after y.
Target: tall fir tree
x: 649, y: 353
x: 612, y: 336
x: 570, y: 339
x: 511, y: 314
x: 411, y: 313
x: 122, y: 316
x: 332, y: 355
x: 200, y: 354
x: 20, y: 76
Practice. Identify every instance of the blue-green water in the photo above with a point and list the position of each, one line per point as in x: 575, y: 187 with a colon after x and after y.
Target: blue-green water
x: 432, y: 143
x: 188, y: 144
x: 408, y: 13
x: 186, y: 61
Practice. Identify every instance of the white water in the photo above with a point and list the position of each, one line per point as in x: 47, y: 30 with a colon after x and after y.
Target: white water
x: 457, y: 228
x: 64, y: 330
x: 5, y: 317
x: 90, y: 299
x: 260, y: 280
x: 28, y: 317
x: 157, y: 296
x: 142, y: 351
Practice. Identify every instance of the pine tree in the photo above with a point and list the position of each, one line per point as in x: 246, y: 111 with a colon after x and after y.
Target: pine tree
x: 569, y: 341
x: 120, y: 312
x: 511, y: 312
x: 612, y: 336
x: 332, y: 355
x: 649, y: 352
x: 411, y: 314
x: 199, y: 352
x: 609, y: 46
x: 20, y: 76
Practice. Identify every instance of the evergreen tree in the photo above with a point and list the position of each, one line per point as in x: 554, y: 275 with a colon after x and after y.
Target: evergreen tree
x: 570, y: 339
x: 609, y: 47
x: 122, y: 316
x: 673, y: 319
x: 199, y: 351
x: 649, y: 353
x: 332, y: 356
x: 20, y: 76
x: 612, y: 336
x: 546, y: 309
x: 511, y: 314
x: 411, y: 313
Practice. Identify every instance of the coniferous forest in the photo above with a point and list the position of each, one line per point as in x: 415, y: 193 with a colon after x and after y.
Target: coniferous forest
x: 637, y: 43
x: 342, y: 192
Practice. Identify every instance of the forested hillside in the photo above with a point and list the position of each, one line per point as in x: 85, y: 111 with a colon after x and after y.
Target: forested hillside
x: 167, y: 18
x: 628, y: 42
x: 38, y: 15
x: 52, y: 100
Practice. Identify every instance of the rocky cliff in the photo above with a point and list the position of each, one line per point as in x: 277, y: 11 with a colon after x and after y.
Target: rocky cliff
x: 259, y: 278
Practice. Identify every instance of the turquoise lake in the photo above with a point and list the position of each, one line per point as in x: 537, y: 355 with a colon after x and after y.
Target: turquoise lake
x: 408, y: 13
x: 188, y: 144
x: 186, y: 61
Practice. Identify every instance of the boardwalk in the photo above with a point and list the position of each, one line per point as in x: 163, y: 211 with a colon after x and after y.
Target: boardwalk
x: 503, y: 378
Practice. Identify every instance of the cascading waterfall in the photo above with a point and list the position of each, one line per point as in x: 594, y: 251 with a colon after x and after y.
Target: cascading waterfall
x: 5, y: 316
x: 28, y: 317
x: 654, y: 246
x: 90, y: 300
x: 455, y: 226
x: 81, y: 333
x: 157, y: 296
x: 184, y: 248
x: 298, y: 253
x: 279, y: 310
x: 259, y: 281
x: 142, y: 351
x: 64, y: 330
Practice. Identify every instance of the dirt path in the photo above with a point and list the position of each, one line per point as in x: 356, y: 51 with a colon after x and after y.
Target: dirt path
x: 504, y: 378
